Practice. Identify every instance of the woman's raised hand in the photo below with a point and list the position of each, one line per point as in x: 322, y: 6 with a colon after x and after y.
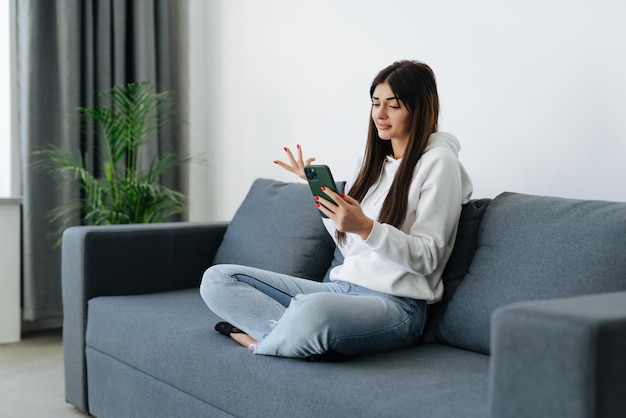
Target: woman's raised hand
x: 296, y: 165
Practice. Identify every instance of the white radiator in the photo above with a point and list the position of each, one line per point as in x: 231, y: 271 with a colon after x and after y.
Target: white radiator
x: 10, y: 269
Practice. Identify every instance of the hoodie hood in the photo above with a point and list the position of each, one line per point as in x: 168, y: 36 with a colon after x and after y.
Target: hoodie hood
x: 443, y: 139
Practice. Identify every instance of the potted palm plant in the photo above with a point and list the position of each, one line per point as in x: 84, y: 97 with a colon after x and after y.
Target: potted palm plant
x: 127, y: 191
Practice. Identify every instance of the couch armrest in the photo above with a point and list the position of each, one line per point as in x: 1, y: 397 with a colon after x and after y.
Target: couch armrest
x: 122, y: 260
x: 562, y: 357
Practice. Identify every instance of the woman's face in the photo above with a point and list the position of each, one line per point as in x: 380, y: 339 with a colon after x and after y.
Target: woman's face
x: 391, y: 117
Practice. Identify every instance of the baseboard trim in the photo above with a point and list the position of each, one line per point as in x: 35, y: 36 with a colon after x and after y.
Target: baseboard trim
x: 41, y: 325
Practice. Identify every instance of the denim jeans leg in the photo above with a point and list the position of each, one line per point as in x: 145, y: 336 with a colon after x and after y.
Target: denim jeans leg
x: 348, y: 323
x: 252, y: 299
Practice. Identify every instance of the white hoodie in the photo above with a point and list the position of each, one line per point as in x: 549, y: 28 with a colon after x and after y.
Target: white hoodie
x: 408, y: 261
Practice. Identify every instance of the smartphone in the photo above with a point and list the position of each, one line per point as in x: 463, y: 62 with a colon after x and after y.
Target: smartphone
x: 318, y: 176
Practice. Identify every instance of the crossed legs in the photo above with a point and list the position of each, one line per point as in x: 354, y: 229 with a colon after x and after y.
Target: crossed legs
x: 292, y: 317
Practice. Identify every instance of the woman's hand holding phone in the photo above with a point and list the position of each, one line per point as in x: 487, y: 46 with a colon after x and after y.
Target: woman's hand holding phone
x: 346, y: 212
x: 296, y: 165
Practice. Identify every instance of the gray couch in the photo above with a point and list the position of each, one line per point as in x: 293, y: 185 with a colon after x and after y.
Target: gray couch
x: 533, y: 322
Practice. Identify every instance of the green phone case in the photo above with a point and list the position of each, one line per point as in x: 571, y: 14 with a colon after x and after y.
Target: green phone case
x: 318, y: 176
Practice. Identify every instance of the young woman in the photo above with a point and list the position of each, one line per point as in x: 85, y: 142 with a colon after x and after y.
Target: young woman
x: 395, y: 227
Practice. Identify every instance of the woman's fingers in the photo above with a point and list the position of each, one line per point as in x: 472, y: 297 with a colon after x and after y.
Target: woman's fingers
x: 291, y: 157
x: 333, y: 205
x: 301, y: 162
x: 283, y: 165
x: 337, y: 197
x: 346, y: 212
x: 295, y: 165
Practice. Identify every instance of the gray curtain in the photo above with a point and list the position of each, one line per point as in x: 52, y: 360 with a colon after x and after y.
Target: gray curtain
x: 67, y: 50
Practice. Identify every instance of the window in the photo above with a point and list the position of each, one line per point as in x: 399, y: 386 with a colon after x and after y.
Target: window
x: 7, y: 150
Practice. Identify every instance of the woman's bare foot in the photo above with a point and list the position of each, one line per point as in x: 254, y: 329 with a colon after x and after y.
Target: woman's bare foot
x: 244, y: 340
x: 236, y: 334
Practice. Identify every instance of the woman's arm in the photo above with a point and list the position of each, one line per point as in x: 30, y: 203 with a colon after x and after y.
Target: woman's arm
x: 435, y: 200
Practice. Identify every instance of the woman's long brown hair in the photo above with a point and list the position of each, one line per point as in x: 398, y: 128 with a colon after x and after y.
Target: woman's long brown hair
x: 414, y: 84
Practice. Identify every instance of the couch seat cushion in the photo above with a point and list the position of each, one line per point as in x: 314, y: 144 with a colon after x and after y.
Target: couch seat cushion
x: 170, y: 338
x: 278, y: 228
x: 531, y: 248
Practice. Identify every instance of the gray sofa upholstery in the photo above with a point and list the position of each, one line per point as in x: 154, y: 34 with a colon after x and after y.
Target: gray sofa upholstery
x: 533, y: 321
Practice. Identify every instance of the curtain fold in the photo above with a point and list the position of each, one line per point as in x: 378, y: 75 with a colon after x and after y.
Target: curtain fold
x: 67, y: 51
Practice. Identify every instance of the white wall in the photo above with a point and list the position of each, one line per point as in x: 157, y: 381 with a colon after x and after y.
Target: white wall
x: 5, y: 102
x: 10, y: 309
x: 535, y: 90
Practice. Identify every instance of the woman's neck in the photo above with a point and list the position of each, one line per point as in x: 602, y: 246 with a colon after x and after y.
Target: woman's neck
x: 398, y: 147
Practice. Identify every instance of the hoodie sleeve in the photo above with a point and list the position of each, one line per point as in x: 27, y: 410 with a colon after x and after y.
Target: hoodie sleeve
x: 435, y: 199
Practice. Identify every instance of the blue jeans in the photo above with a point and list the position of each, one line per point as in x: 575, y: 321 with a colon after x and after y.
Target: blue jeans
x: 293, y: 317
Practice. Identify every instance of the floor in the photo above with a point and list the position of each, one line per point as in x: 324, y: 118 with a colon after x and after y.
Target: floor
x: 31, y: 378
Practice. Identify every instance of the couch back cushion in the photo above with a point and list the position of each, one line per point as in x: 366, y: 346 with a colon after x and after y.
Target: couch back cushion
x: 531, y: 248
x: 278, y: 228
x: 457, y: 266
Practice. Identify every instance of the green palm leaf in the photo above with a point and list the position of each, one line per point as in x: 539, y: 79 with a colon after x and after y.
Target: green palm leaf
x: 126, y: 192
